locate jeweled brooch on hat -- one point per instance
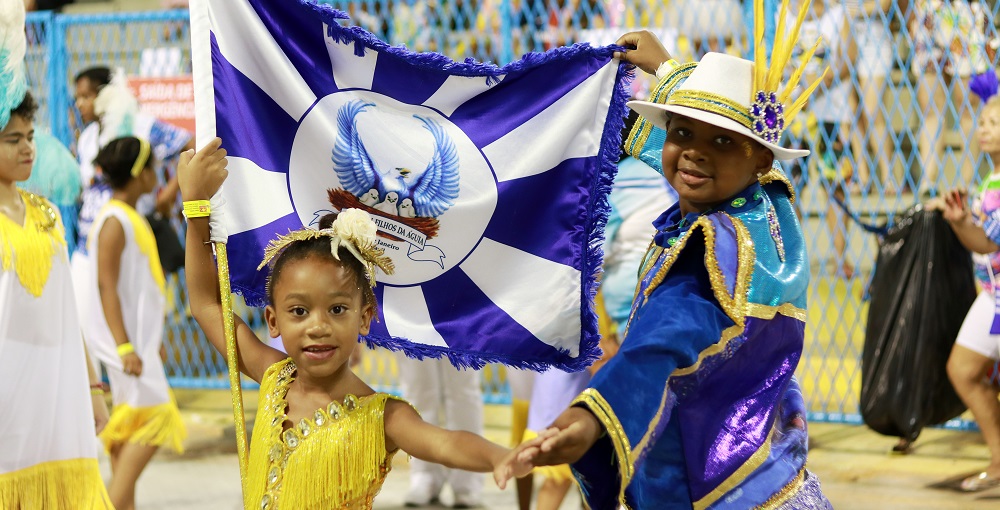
(768, 116)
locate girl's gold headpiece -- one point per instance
(353, 230)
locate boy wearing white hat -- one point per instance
(700, 407)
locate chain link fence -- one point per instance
(892, 126)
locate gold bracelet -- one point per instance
(125, 348)
(197, 209)
(96, 392)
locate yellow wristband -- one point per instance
(197, 209)
(125, 348)
(97, 392)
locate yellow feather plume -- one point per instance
(759, 50)
(797, 75)
(783, 51)
(801, 101)
(779, 35)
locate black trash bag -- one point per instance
(921, 290)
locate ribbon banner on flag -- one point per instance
(488, 185)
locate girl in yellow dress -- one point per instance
(322, 438)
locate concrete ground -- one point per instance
(852, 462)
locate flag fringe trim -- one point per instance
(460, 359)
(364, 40)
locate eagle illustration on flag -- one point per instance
(488, 184)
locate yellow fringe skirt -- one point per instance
(159, 425)
(73, 484)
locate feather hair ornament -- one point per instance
(13, 44)
(985, 84)
(353, 230)
(117, 107)
(767, 78)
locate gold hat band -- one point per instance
(715, 103)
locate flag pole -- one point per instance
(204, 94)
(232, 360)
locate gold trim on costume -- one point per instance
(715, 103)
(728, 335)
(781, 497)
(592, 398)
(774, 175)
(641, 445)
(739, 475)
(734, 305)
(29, 248)
(768, 312)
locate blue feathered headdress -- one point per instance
(984, 84)
(13, 80)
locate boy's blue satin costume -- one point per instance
(700, 405)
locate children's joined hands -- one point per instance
(517, 463)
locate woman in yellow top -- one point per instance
(124, 298)
(323, 438)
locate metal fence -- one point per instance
(894, 125)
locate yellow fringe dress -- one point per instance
(334, 460)
(48, 449)
(144, 409)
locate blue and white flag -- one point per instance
(489, 185)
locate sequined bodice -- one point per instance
(335, 459)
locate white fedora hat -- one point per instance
(719, 92)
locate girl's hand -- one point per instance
(131, 364)
(955, 210)
(648, 54)
(518, 463)
(101, 415)
(201, 173)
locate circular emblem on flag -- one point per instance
(400, 163)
